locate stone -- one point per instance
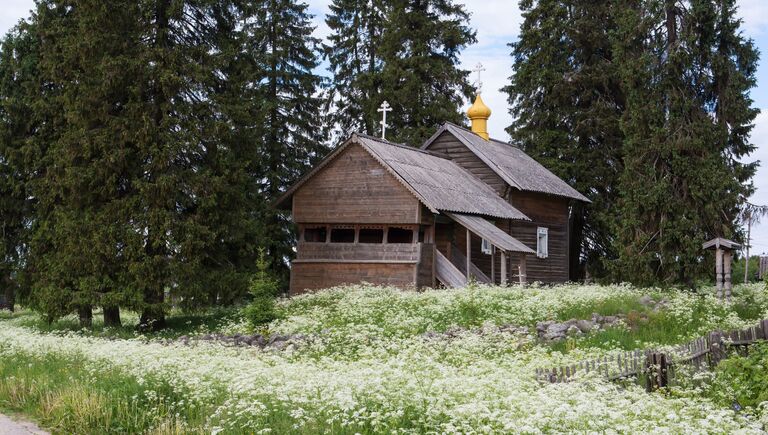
(596, 318)
(585, 326)
(573, 330)
(647, 300)
(542, 326)
(610, 320)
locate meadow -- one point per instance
(378, 360)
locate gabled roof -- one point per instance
(439, 183)
(510, 163)
(720, 242)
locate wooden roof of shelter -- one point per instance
(510, 163)
(439, 183)
(721, 243)
(491, 232)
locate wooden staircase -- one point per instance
(460, 261)
(447, 273)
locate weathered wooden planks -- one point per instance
(355, 188)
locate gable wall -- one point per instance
(355, 188)
(447, 144)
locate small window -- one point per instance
(399, 235)
(486, 247)
(371, 235)
(342, 235)
(542, 242)
(317, 234)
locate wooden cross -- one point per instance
(385, 107)
(479, 68)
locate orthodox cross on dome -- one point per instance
(479, 68)
(385, 107)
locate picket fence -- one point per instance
(657, 367)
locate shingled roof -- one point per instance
(510, 163)
(439, 183)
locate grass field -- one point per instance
(367, 365)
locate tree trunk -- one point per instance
(8, 298)
(112, 317)
(86, 316)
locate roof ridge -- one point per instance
(466, 130)
(400, 145)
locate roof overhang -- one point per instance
(487, 230)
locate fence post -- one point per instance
(656, 368)
(716, 351)
(764, 329)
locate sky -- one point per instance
(497, 23)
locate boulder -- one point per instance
(585, 326)
(573, 330)
(647, 300)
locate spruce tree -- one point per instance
(353, 52)
(405, 52)
(566, 100)
(290, 127)
(682, 182)
(18, 121)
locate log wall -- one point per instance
(355, 188)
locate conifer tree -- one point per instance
(421, 79)
(687, 121)
(411, 61)
(355, 60)
(290, 127)
(566, 100)
(18, 121)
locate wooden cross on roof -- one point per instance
(385, 107)
(479, 68)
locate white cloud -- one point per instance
(755, 16)
(12, 12)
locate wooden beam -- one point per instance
(719, 272)
(503, 268)
(727, 260)
(469, 252)
(493, 265)
(522, 269)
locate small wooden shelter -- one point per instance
(762, 270)
(723, 261)
(462, 206)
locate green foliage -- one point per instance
(262, 309)
(687, 125)
(566, 100)
(737, 275)
(644, 106)
(743, 379)
(387, 51)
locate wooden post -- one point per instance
(719, 272)
(469, 252)
(503, 268)
(727, 261)
(493, 265)
(522, 269)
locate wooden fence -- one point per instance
(658, 367)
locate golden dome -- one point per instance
(479, 114)
(479, 109)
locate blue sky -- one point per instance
(497, 23)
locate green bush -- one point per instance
(263, 308)
(744, 379)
